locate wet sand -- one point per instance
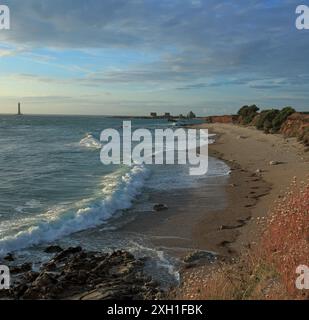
(172, 230)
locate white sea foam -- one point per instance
(90, 142)
(32, 204)
(61, 223)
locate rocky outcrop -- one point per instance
(53, 249)
(77, 274)
(297, 125)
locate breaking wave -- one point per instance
(118, 195)
(90, 142)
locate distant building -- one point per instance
(153, 114)
(19, 109)
(167, 115)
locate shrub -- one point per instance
(281, 118)
(265, 121)
(248, 113)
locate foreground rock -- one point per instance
(77, 274)
(53, 249)
(160, 207)
(198, 256)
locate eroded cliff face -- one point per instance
(222, 119)
(297, 125)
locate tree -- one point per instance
(248, 113)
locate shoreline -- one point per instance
(256, 183)
(263, 157)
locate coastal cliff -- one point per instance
(222, 119)
(297, 125)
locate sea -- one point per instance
(55, 190)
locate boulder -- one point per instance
(21, 269)
(160, 207)
(9, 257)
(199, 255)
(53, 249)
(274, 163)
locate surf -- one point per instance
(119, 196)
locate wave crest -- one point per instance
(90, 142)
(54, 227)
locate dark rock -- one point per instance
(31, 276)
(67, 252)
(21, 269)
(77, 274)
(9, 257)
(160, 207)
(198, 256)
(53, 249)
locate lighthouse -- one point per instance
(19, 110)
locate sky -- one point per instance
(133, 57)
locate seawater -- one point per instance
(54, 186)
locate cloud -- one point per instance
(199, 44)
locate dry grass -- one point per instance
(267, 271)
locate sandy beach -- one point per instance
(263, 167)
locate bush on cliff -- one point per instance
(265, 120)
(281, 118)
(248, 113)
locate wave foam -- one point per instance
(90, 142)
(54, 227)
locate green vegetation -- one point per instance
(265, 120)
(272, 120)
(281, 118)
(248, 113)
(268, 120)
